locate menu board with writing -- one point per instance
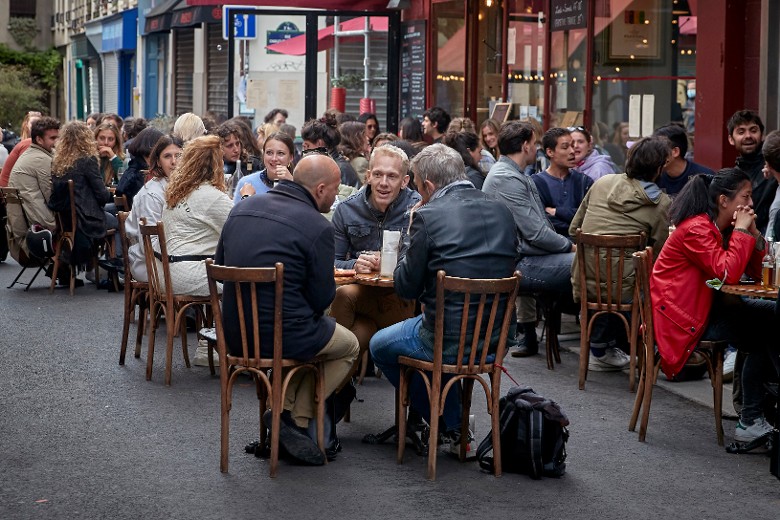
(568, 14)
(412, 68)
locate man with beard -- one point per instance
(746, 135)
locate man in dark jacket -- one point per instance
(285, 225)
(457, 228)
(746, 135)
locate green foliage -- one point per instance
(43, 65)
(24, 30)
(348, 80)
(17, 95)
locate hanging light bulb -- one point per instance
(488, 3)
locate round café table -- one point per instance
(751, 291)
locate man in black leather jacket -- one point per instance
(461, 230)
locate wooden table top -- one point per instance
(371, 279)
(751, 291)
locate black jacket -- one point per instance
(763, 189)
(282, 225)
(132, 180)
(90, 194)
(467, 234)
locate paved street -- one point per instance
(83, 437)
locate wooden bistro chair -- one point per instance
(66, 238)
(11, 197)
(270, 388)
(607, 255)
(711, 351)
(120, 202)
(487, 295)
(136, 295)
(163, 300)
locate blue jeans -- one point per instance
(546, 273)
(403, 339)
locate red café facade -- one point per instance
(580, 61)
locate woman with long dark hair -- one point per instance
(323, 135)
(150, 200)
(466, 143)
(715, 237)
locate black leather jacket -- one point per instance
(465, 233)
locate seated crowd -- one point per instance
(476, 202)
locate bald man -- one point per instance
(285, 225)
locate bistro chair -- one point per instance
(66, 238)
(163, 300)
(270, 388)
(136, 295)
(711, 351)
(488, 295)
(10, 197)
(120, 202)
(601, 265)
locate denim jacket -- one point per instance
(358, 225)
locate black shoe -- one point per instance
(333, 450)
(529, 345)
(297, 443)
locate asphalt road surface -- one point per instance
(82, 437)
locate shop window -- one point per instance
(449, 58)
(525, 59)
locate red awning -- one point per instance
(337, 5)
(297, 46)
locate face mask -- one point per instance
(691, 93)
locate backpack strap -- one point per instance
(535, 425)
(485, 451)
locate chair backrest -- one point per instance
(244, 282)
(159, 288)
(607, 255)
(11, 197)
(122, 218)
(643, 267)
(68, 228)
(120, 201)
(491, 293)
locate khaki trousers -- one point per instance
(340, 354)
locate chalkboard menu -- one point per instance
(568, 14)
(413, 68)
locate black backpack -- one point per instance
(533, 436)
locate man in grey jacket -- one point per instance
(31, 175)
(545, 256)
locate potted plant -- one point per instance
(339, 86)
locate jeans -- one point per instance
(546, 273)
(403, 339)
(751, 326)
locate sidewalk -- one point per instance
(699, 392)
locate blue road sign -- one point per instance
(244, 25)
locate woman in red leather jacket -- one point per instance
(715, 237)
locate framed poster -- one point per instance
(501, 112)
(636, 33)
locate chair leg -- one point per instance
(633, 350)
(154, 315)
(584, 350)
(143, 311)
(640, 392)
(717, 394)
(468, 388)
(128, 310)
(226, 403)
(183, 332)
(170, 329)
(363, 367)
(55, 268)
(435, 404)
(495, 396)
(402, 405)
(648, 398)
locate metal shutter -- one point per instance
(351, 60)
(217, 60)
(185, 58)
(110, 83)
(94, 86)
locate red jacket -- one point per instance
(681, 299)
(18, 150)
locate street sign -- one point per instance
(244, 25)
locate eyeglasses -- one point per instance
(576, 129)
(321, 150)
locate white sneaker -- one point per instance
(613, 360)
(202, 357)
(453, 440)
(728, 365)
(759, 428)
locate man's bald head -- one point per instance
(321, 176)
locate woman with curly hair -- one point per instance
(76, 159)
(149, 202)
(355, 146)
(323, 135)
(110, 150)
(196, 207)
